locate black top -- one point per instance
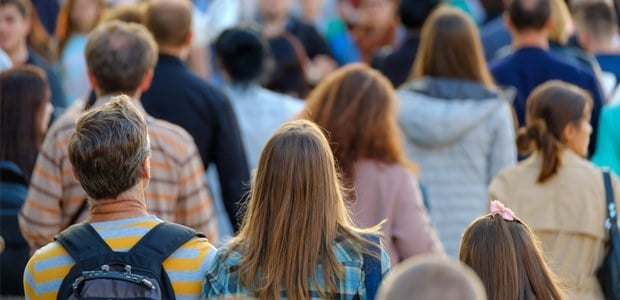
(313, 42)
(58, 95)
(180, 97)
(397, 65)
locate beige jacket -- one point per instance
(567, 213)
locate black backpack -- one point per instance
(101, 273)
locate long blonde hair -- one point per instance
(451, 48)
(295, 213)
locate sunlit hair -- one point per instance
(561, 20)
(356, 106)
(450, 47)
(507, 257)
(550, 108)
(294, 215)
(65, 26)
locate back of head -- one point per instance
(507, 258)
(242, 52)
(24, 97)
(109, 148)
(431, 277)
(356, 106)
(413, 13)
(450, 48)
(529, 14)
(119, 55)
(129, 13)
(598, 19)
(549, 109)
(561, 20)
(169, 21)
(296, 202)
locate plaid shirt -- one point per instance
(176, 191)
(222, 279)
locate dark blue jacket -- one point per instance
(180, 97)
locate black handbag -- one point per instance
(608, 273)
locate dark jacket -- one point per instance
(59, 101)
(396, 66)
(13, 191)
(180, 97)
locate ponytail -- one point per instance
(536, 133)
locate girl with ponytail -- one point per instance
(556, 191)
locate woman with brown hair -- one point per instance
(557, 191)
(356, 106)
(25, 110)
(296, 240)
(506, 255)
(75, 20)
(458, 126)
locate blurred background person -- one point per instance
(16, 23)
(429, 277)
(356, 106)
(242, 54)
(378, 27)
(458, 125)
(507, 257)
(25, 111)
(556, 191)
(396, 63)
(297, 241)
(77, 18)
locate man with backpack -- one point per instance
(121, 252)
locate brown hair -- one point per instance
(356, 106)
(451, 48)
(24, 93)
(561, 19)
(550, 108)
(295, 213)
(431, 277)
(598, 19)
(108, 148)
(119, 54)
(169, 21)
(129, 13)
(38, 39)
(65, 26)
(507, 258)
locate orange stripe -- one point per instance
(46, 175)
(197, 209)
(160, 165)
(74, 200)
(192, 176)
(41, 207)
(168, 140)
(158, 196)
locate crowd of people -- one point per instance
(309, 149)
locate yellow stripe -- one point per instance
(47, 296)
(145, 224)
(27, 288)
(187, 287)
(50, 252)
(122, 242)
(52, 274)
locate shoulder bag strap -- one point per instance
(161, 241)
(612, 217)
(82, 241)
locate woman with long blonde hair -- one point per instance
(296, 240)
(356, 106)
(458, 125)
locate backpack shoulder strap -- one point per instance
(609, 199)
(372, 267)
(161, 241)
(82, 241)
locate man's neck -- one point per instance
(180, 52)
(530, 39)
(603, 47)
(129, 204)
(19, 56)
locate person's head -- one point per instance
(129, 13)
(170, 22)
(120, 58)
(77, 16)
(413, 13)
(450, 48)
(529, 15)
(597, 24)
(274, 9)
(378, 13)
(15, 24)
(356, 106)
(294, 213)
(25, 111)
(242, 54)
(431, 277)
(110, 149)
(561, 22)
(288, 75)
(507, 257)
(557, 117)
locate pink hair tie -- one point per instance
(498, 208)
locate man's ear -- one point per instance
(145, 84)
(188, 39)
(75, 174)
(568, 133)
(146, 168)
(508, 22)
(92, 80)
